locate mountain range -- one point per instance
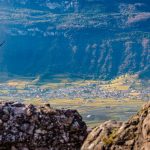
(86, 38)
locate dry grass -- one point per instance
(17, 83)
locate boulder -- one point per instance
(29, 127)
(131, 135)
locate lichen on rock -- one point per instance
(131, 135)
(29, 127)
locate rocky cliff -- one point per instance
(131, 135)
(24, 127)
(28, 127)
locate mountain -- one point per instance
(95, 38)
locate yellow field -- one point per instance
(93, 105)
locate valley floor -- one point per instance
(96, 100)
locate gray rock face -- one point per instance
(131, 135)
(29, 127)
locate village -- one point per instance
(87, 92)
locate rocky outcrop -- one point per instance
(29, 127)
(131, 135)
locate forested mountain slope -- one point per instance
(90, 37)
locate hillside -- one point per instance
(80, 38)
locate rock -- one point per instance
(30, 130)
(146, 146)
(43, 128)
(1, 122)
(48, 105)
(40, 128)
(131, 135)
(13, 148)
(146, 128)
(17, 104)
